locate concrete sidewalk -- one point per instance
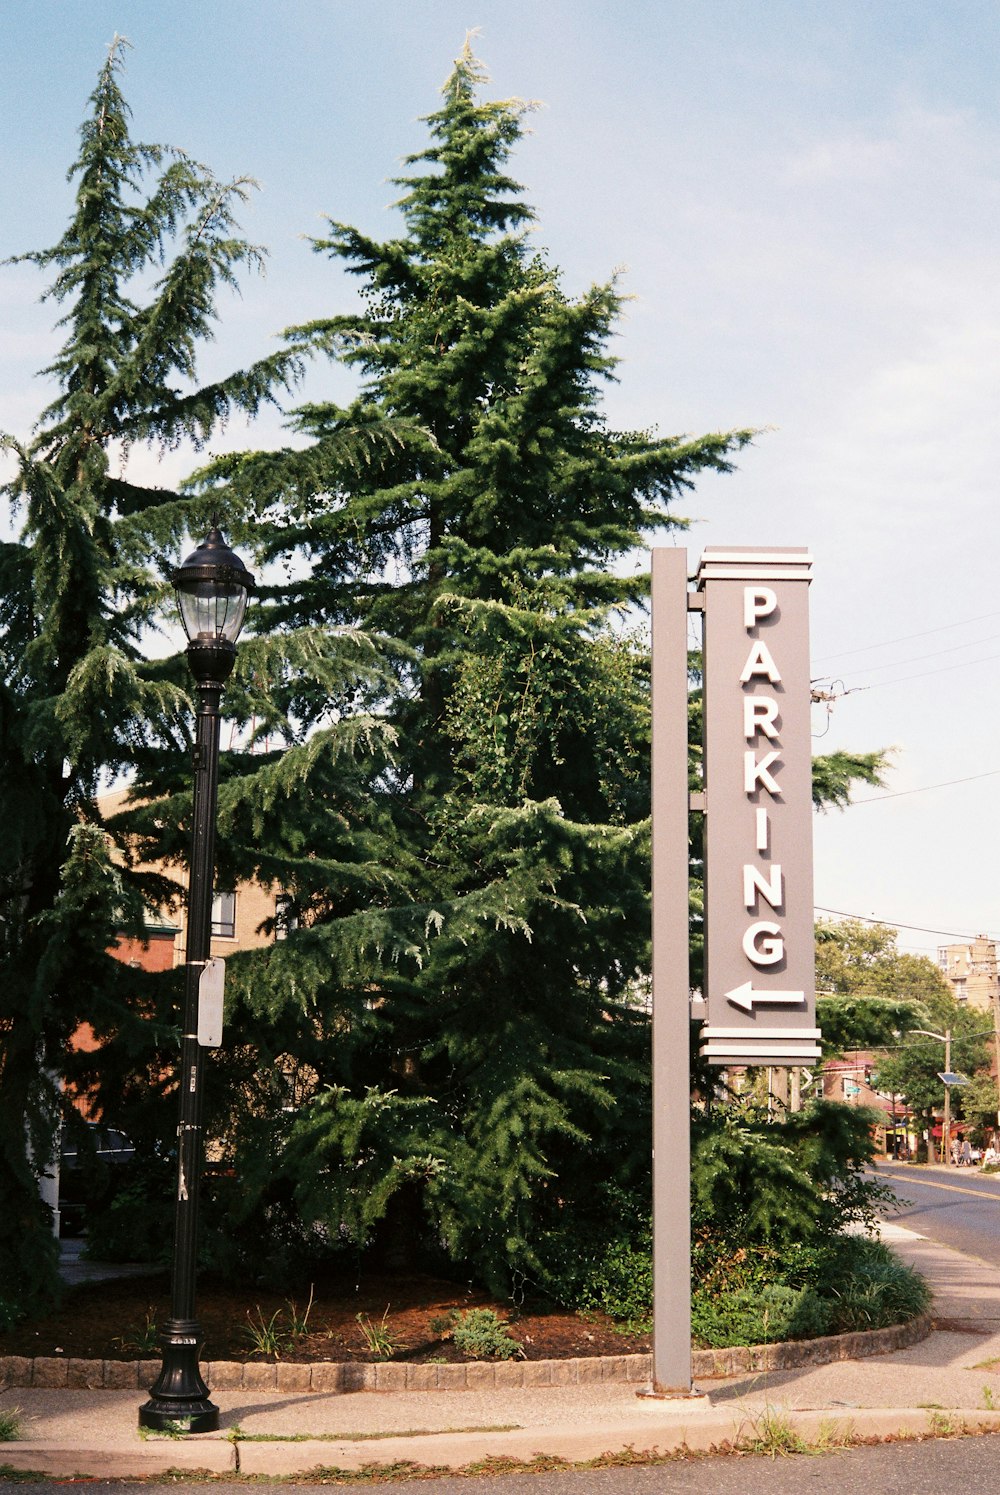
(950, 1379)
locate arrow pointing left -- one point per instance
(747, 999)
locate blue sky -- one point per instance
(804, 202)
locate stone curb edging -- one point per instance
(55, 1373)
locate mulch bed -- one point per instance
(107, 1320)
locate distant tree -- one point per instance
(912, 1068)
(867, 992)
(150, 241)
(978, 1101)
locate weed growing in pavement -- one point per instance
(988, 1400)
(11, 1425)
(943, 1425)
(379, 1339)
(180, 1427)
(772, 1433)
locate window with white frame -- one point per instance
(224, 916)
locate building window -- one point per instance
(224, 916)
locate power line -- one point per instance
(967, 939)
(923, 674)
(891, 664)
(870, 799)
(906, 637)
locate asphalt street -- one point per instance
(958, 1208)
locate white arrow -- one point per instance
(746, 998)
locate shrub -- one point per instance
(136, 1222)
(879, 1290)
(481, 1335)
(758, 1316)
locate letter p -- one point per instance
(757, 603)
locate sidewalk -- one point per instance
(950, 1378)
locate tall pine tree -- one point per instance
(150, 241)
(492, 1072)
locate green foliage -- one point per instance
(11, 1425)
(835, 774)
(140, 1340)
(867, 991)
(879, 1290)
(979, 1099)
(136, 1224)
(479, 1334)
(801, 1179)
(265, 1336)
(150, 242)
(462, 996)
(763, 1315)
(912, 1067)
(379, 1338)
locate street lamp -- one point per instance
(212, 588)
(944, 1038)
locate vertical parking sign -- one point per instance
(759, 951)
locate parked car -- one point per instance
(87, 1169)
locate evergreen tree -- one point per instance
(494, 1070)
(150, 241)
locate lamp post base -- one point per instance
(178, 1398)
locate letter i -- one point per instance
(762, 830)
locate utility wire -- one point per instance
(870, 799)
(892, 664)
(966, 939)
(923, 674)
(906, 637)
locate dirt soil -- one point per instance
(115, 1321)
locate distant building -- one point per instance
(971, 971)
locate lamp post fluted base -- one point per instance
(178, 1399)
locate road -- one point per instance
(959, 1209)
(971, 1465)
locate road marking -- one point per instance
(926, 1183)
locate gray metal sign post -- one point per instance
(671, 995)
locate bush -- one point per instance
(604, 1263)
(136, 1224)
(879, 1290)
(758, 1316)
(481, 1335)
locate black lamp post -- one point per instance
(212, 588)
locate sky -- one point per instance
(803, 203)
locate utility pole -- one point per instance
(946, 1127)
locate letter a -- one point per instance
(759, 662)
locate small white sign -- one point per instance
(210, 995)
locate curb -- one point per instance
(336, 1377)
(664, 1429)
